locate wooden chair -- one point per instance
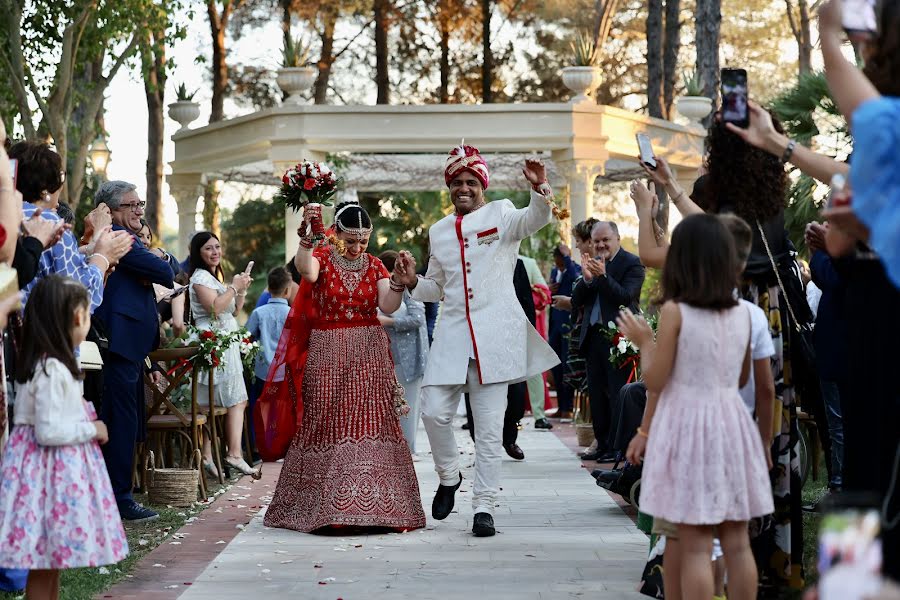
(165, 419)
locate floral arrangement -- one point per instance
(307, 182)
(622, 352)
(213, 344)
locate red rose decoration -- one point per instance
(309, 184)
(207, 335)
(616, 339)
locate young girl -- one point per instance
(705, 470)
(57, 509)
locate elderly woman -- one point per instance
(409, 346)
(40, 180)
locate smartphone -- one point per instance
(734, 97)
(835, 195)
(646, 150)
(14, 168)
(858, 19)
(850, 556)
(249, 267)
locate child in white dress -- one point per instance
(705, 469)
(57, 509)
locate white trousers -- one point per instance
(488, 402)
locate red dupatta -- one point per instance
(279, 409)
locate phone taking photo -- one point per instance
(850, 555)
(735, 96)
(646, 150)
(858, 19)
(14, 168)
(249, 267)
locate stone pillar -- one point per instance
(580, 176)
(186, 188)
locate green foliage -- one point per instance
(693, 83)
(809, 115)
(584, 52)
(182, 95)
(255, 231)
(401, 220)
(295, 52)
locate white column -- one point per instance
(580, 176)
(186, 188)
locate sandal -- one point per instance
(241, 465)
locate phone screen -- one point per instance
(14, 167)
(646, 150)
(249, 267)
(850, 555)
(734, 97)
(858, 17)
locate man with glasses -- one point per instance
(131, 321)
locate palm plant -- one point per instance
(295, 52)
(584, 50)
(809, 114)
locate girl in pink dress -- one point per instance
(57, 509)
(705, 469)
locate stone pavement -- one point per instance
(558, 536)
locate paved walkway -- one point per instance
(558, 536)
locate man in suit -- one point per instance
(562, 278)
(129, 315)
(612, 279)
(483, 342)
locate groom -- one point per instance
(483, 341)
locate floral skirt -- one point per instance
(57, 509)
(349, 464)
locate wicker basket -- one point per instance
(173, 487)
(584, 432)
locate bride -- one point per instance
(348, 464)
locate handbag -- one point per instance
(801, 345)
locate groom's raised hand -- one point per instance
(405, 269)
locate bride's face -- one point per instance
(355, 246)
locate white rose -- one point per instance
(611, 325)
(324, 170)
(623, 346)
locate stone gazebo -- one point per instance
(581, 144)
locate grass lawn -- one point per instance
(813, 491)
(85, 584)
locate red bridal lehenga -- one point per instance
(347, 464)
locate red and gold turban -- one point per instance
(466, 158)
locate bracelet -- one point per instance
(396, 286)
(677, 196)
(306, 243)
(788, 152)
(106, 260)
(642, 433)
(234, 289)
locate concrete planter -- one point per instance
(293, 81)
(694, 108)
(582, 81)
(184, 112)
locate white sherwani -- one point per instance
(473, 258)
(483, 341)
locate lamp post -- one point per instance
(100, 156)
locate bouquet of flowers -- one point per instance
(249, 349)
(623, 353)
(212, 346)
(307, 182)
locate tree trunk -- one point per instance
(708, 18)
(286, 16)
(153, 51)
(445, 60)
(327, 58)
(382, 80)
(805, 41)
(211, 215)
(487, 65)
(218, 22)
(603, 20)
(670, 54)
(654, 58)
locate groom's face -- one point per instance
(466, 192)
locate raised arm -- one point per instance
(523, 222)
(652, 245)
(663, 177)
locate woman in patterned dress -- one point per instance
(348, 463)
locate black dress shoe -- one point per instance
(442, 505)
(514, 451)
(483, 525)
(543, 424)
(592, 455)
(604, 474)
(607, 457)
